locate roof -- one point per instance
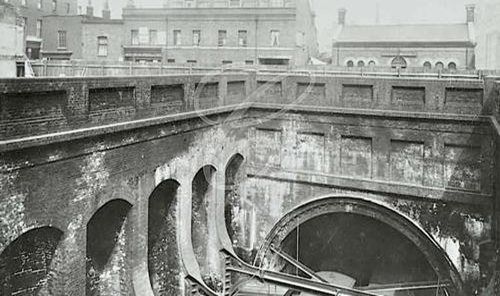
(441, 33)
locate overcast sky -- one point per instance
(358, 12)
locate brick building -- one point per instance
(439, 46)
(85, 36)
(488, 34)
(32, 12)
(278, 32)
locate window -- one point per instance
(372, 64)
(234, 3)
(350, 64)
(439, 65)
(275, 38)
(248, 62)
(153, 37)
(102, 46)
(39, 4)
(398, 62)
(24, 3)
(135, 37)
(171, 61)
(427, 66)
(61, 39)
(222, 37)
(177, 37)
(189, 3)
(25, 21)
(361, 64)
(39, 28)
(54, 5)
(227, 62)
(191, 61)
(452, 66)
(242, 38)
(68, 8)
(196, 37)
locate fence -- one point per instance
(98, 68)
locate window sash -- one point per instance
(222, 38)
(61, 38)
(177, 37)
(242, 38)
(135, 37)
(196, 37)
(102, 46)
(275, 38)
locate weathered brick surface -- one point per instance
(27, 263)
(436, 169)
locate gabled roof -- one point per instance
(411, 34)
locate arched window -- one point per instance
(439, 66)
(361, 64)
(452, 66)
(427, 65)
(371, 63)
(350, 64)
(399, 62)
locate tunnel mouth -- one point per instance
(360, 244)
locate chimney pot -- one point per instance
(341, 16)
(90, 11)
(470, 12)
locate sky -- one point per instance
(358, 12)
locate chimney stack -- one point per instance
(106, 12)
(470, 8)
(130, 4)
(90, 9)
(341, 17)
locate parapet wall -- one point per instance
(48, 105)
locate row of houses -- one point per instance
(277, 32)
(266, 32)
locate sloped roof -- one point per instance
(441, 33)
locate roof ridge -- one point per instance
(398, 25)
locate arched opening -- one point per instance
(439, 66)
(163, 259)
(372, 64)
(203, 227)
(357, 243)
(234, 214)
(399, 62)
(361, 64)
(107, 271)
(25, 265)
(452, 66)
(350, 64)
(427, 65)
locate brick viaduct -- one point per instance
(134, 185)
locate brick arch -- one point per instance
(163, 251)
(434, 254)
(203, 226)
(106, 268)
(232, 194)
(27, 262)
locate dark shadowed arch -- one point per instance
(25, 265)
(202, 232)
(420, 240)
(163, 253)
(234, 213)
(106, 249)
